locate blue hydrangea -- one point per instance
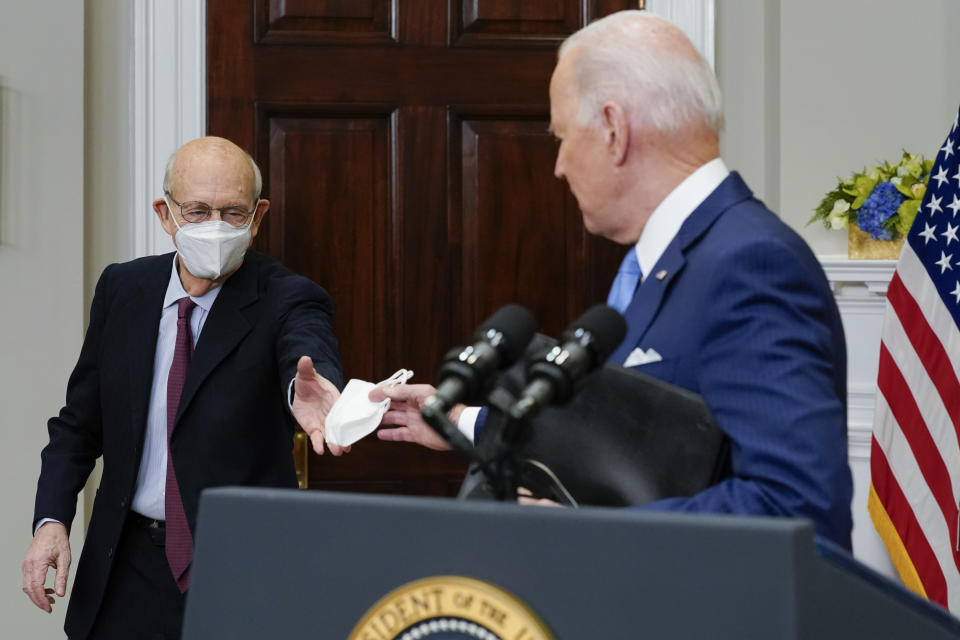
(882, 203)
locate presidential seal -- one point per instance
(450, 608)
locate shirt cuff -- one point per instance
(290, 394)
(468, 420)
(43, 522)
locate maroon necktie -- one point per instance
(179, 542)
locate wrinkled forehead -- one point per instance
(213, 171)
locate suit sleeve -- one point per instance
(76, 433)
(306, 329)
(772, 369)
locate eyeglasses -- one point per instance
(233, 214)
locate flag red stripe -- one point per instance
(907, 526)
(904, 409)
(928, 347)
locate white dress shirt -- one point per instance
(665, 221)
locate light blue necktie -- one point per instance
(625, 284)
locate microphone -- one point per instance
(584, 346)
(497, 343)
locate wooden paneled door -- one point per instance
(405, 151)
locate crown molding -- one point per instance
(858, 278)
(169, 102)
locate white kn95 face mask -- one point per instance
(353, 416)
(211, 249)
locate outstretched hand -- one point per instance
(50, 548)
(406, 402)
(313, 397)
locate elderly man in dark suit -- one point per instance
(720, 296)
(195, 369)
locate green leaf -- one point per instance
(864, 185)
(913, 166)
(823, 210)
(905, 184)
(906, 213)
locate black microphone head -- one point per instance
(515, 326)
(606, 329)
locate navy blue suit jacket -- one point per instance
(233, 425)
(740, 311)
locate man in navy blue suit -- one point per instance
(720, 296)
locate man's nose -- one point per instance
(558, 167)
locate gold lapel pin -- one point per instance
(661, 274)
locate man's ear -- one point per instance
(616, 131)
(262, 206)
(163, 213)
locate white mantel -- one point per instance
(860, 287)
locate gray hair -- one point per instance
(620, 62)
(257, 177)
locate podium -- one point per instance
(272, 563)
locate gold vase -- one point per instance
(860, 246)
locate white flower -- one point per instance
(838, 215)
(840, 206)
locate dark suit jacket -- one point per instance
(739, 310)
(233, 425)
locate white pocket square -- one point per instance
(638, 356)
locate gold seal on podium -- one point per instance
(450, 608)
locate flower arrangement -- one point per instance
(881, 201)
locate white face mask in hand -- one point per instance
(353, 416)
(211, 249)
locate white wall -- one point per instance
(747, 65)
(849, 102)
(108, 212)
(41, 259)
(817, 89)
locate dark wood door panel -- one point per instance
(404, 149)
(506, 23)
(524, 24)
(405, 76)
(360, 22)
(330, 178)
(520, 244)
(430, 244)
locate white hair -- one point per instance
(618, 61)
(257, 177)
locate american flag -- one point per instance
(915, 453)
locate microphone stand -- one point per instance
(434, 415)
(499, 459)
